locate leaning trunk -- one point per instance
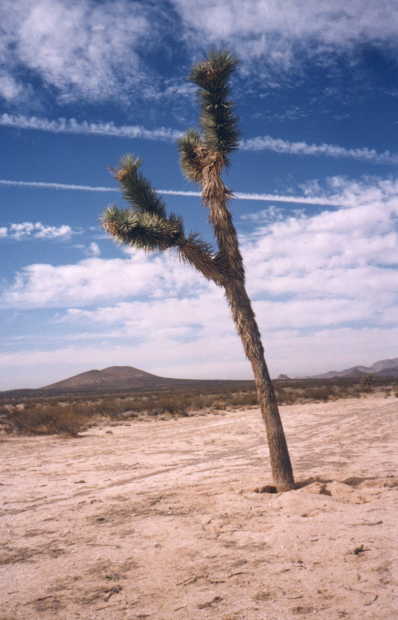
(215, 196)
(247, 328)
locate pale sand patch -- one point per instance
(160, 519)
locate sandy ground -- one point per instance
(160, 519)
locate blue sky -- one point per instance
(83, 82)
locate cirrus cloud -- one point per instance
(276, 31)
(277, 145)
(78, 48)
(94, 50)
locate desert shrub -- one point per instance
(177, 404)
(72, 413)
(200, 401)
(51, 420)
(366, 383)
(285, 396)
(244, 399)
(322, 393)
(110, 407)
(4, 411)
(117, 407)
(219, 403)
(356, 393)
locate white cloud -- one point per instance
(324, 291)
(93, 249)
(9, 88)
(329, 255)
(331, 268)
(78, 48)
(276, 31)
(72, 126)
(267, 143)
(36, 230)
(93, 280)
(368, 190)
(265, 216)
(191, 314)
(94, 50)
(206, 316)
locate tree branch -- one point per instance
(136, 189)
(219, 124)
(143, 230)
(200, 255)
(191, 155)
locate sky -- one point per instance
(315, 180)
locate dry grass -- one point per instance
(47, 420)
(73, 414)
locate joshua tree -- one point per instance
(146, 224)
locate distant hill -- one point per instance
(127, 378)
(114, 377)
(382, 368)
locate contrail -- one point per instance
(322, 201)
(277, 145)
(73, 126)
(168, 134)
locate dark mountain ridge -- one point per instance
(382, 368)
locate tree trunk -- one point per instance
(247, 328)
(215, 196)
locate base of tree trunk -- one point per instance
(271, 488)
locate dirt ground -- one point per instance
(161, 520)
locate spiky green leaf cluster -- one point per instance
(219, 124)
(136, 189)
(146, 223)
(190, 147)
(143, 230)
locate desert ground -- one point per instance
(166, 519)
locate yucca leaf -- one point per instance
(219, 124)
(144, 230)
(136, 189)
(191, 153)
